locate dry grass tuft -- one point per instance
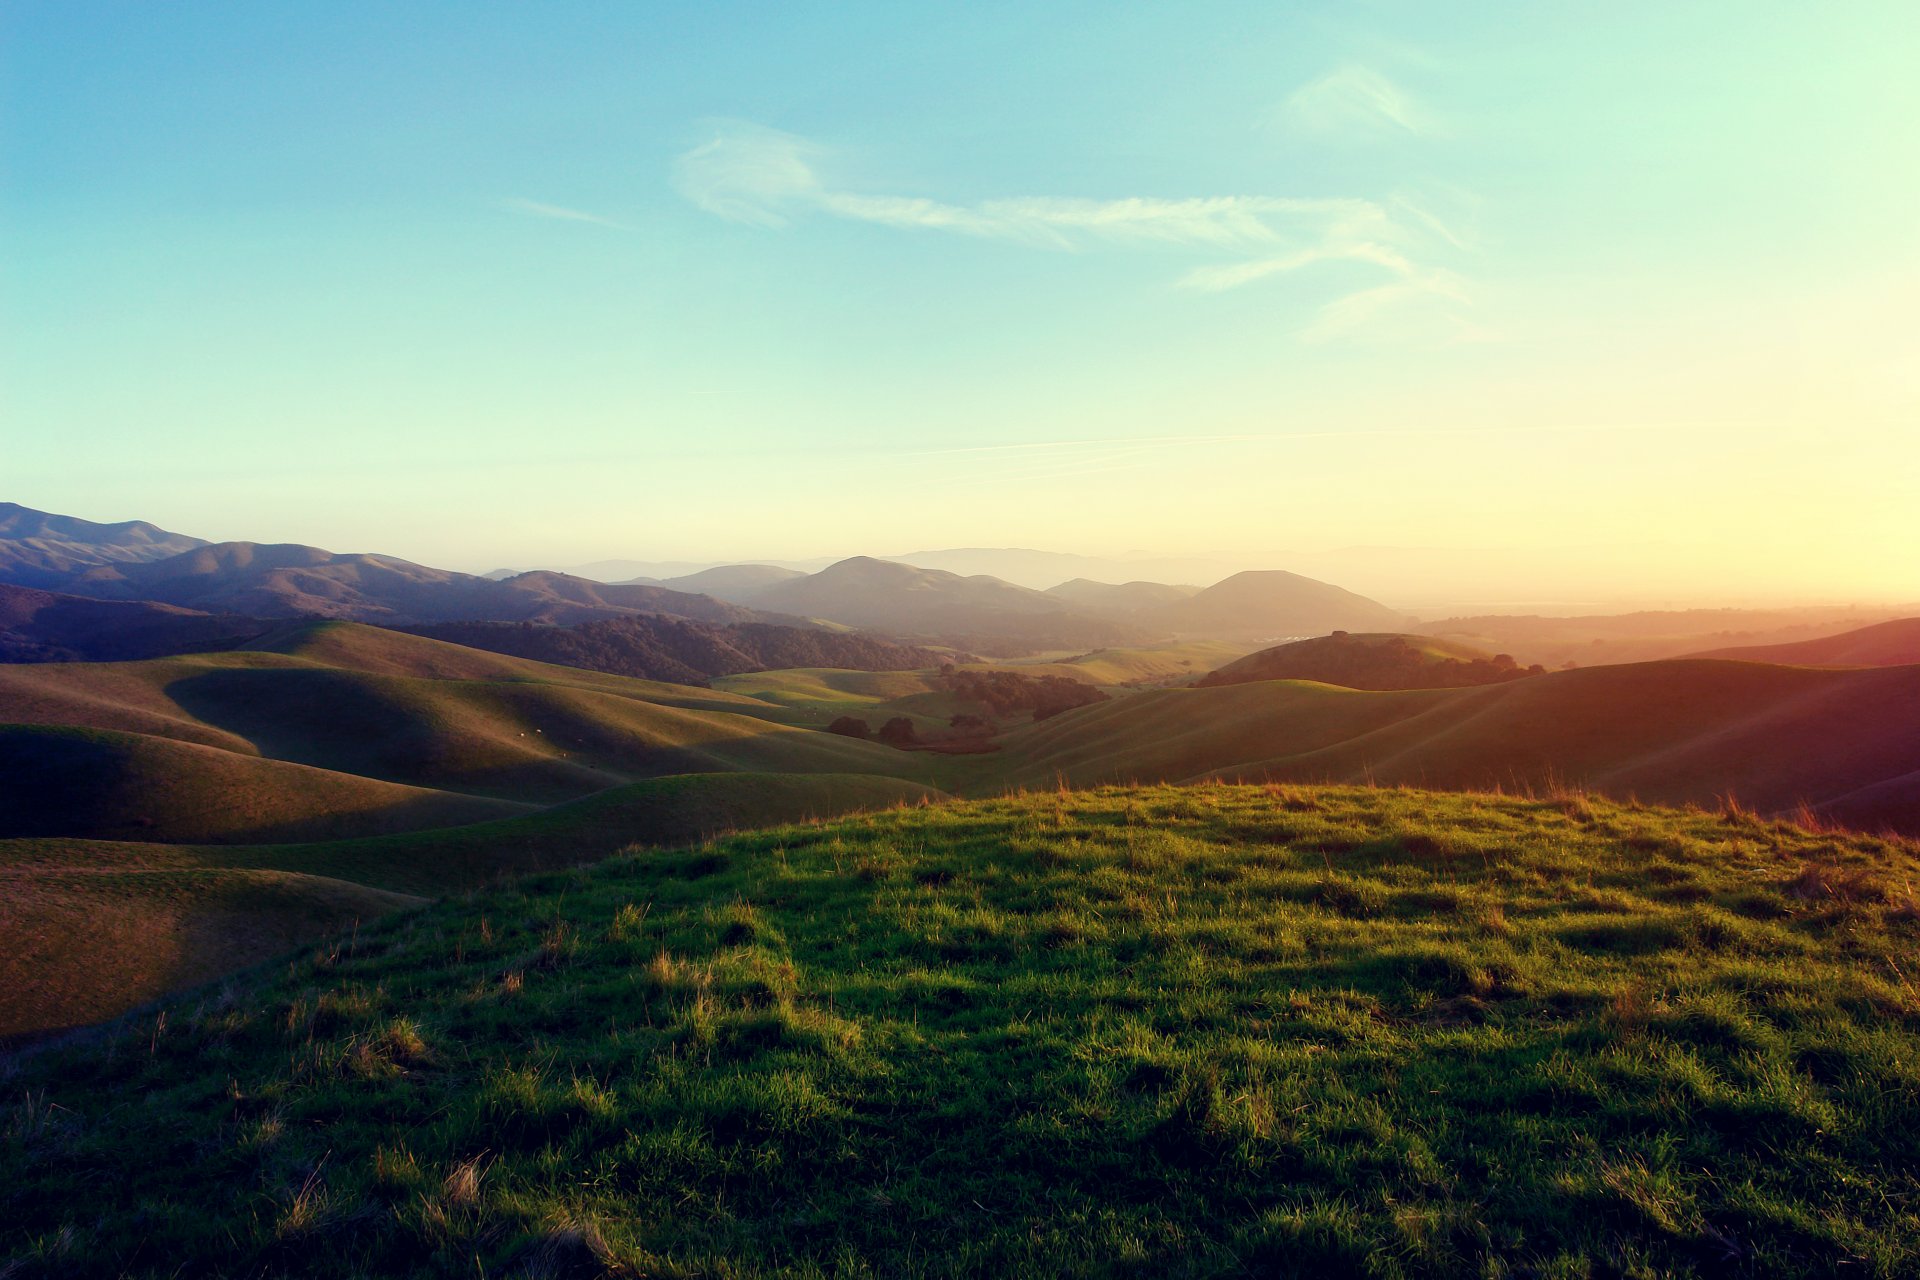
(1829, 881)
(461, 1186)
(574, 1249)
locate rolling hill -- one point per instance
(739, 583)
(1886, 644)
(288, 580)
(334, 771)
(907, 601)
(1268, 604)
(1119, 600)
(1371, 661)
(388, 721)
(1842, 743)
(44, 626)
(40, 549)
(684, 652)
(1218, 1031)
(107, 785)
(1648, 635)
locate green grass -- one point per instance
(1211, 1031)
(95, 927)
(1147, 664)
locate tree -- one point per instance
(898, 732)
(850, 727)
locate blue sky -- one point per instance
(1628, 292)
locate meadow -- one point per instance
(1216, 1030)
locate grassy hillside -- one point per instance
(1372, 660)
(1590, 640)
(1209, 1032)
(1146, 664)
(89, 942)
(1676, 732)
(1888, 644)
(655, 648)
(94, 927)
(818, 696)
(402, 709)
(60, 781)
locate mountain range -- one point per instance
(139, 562)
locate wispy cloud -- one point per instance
(1402, 309)
(536, 209)
(1353, 101)
(765, 178)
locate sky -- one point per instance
(1601, 301)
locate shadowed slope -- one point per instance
(44, 626)
(57, 781)
(40, 549)
(87, 944)
(281, 580)
(378, 651)
(518, 739)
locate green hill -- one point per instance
(95, 927)
(1204, 1032)
(1373, 660)
(401, 709)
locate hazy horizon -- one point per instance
(1513, 304)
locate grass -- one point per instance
(226, 746)
(94, 928)
(1148, 664)
(1160, 1031)
(1843, 742)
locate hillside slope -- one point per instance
(341, 711)
(1371, 661)
(1199, 1032)
(1886, 644)
(41, 549)
(96, 927)
(290, 580)
(44, 626)
(909, 601)
(1269, 604)
(1671, 732)
(685, 652)
(96, 784)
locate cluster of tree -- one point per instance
(682, 652)
(1369, 662)
(897, 732)
(1007, 693)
